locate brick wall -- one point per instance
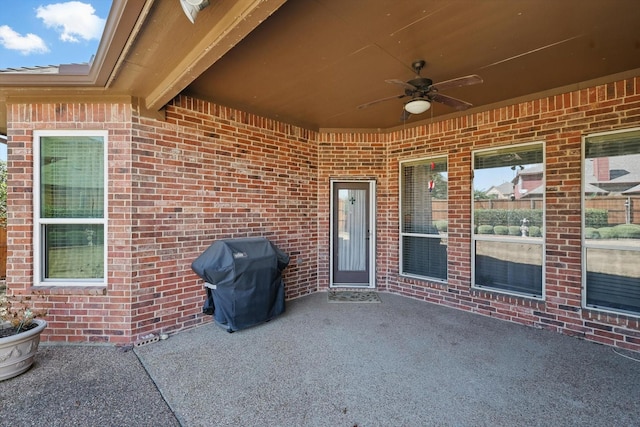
(210, 173)
(175, 186)
(74, 314)
(349, 156)
(561, 122)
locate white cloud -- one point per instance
(73, 19)
(23, 44)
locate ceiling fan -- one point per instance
(423, 92)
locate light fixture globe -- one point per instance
(191, 8)
(417, 106)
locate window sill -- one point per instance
(70, 289)
(431, 281)
(593, 312)
(496, 294)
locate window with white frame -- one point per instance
(423, 218)
(611, 221)
(508, 219)
(70, 205)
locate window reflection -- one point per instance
(508, 219)
(611, 227)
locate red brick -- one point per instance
(211, 172)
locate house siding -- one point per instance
(209, 172)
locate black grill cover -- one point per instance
(243, 281)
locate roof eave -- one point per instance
(121, 21)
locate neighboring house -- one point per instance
(527, 181)
(614, 175)
(503, 191)
(592, 190)
(632, 190)
(121, 177)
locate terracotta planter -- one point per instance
(17, 351)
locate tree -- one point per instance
(480, 195)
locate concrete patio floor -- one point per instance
(401, 362)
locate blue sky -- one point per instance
(484, 179)
(50, 32)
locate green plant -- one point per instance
(514, 230)
(535, 231)
(607, 233)
(596, 218)
(627, 231)
(485, 229)
(591, 233)
(507, 217)
(501, 230)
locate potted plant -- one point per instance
(20, 331)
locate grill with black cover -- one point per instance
(243, 280)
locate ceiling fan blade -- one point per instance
(459, 82)
(450, 101)
(369, 104)
(401, 83)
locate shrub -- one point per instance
(591, 233)
(596, 218)
(607, 233)
(535, 231)
(627, 231)
(507, 217)
(514, 230)
(501, 230)
(485, 229)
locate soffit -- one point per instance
(150, 51)
(314, 62)
(169, 52)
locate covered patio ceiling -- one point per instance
(313, 62)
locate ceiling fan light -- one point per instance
(417, 106)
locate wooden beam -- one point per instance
(242, 18)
